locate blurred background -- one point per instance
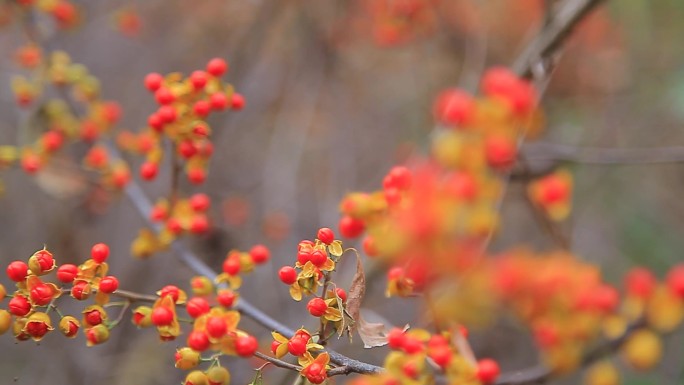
(337, 92)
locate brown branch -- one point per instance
(602, 155)
(537, 58)
(277, 362)
(539, 374)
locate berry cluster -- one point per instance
(62, 126)
(452, 198)
(420, 357)
(178, 217)
(63, 12)
(29, 312)
(214, 321)
(185, 103)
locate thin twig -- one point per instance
(277, 362)
(603, 155)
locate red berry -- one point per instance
(218, 101)
(317, 307)
(453, 107)
(487, 370)
(325, 235)
(351, 227)
(260, 254)
(187, 149)
(412, 345)
(171, 290)
(164, 96)
(31, 163)
(67, 272)
(399, 177)
(501, 151)
(246, 346)
(197, 176)
(441, 355)
(554, 189)
(93, 317)
(198, 79)
(675, 280)
(226, 297)
(19, 306)
(156, 122)
(201, 108)
(396, 338)
(217, 67)
(199, 224)
(237, 101)
(36, 329)
(99, 252)
(153, 81)
(341, 293)
(369, 246)
(198, 341)
(288, 275)
(231, 265)
(304, 256)
(274, 346)
(41, 294)
(109, 284)
(148, 170)
(319, 257)
(162, 316)
(200, 202)
(297, 346)
(174, 226)
(17, 271)
(159, 213)
(640, 282)
(80, 290)
(216, 327)
(52, 140)
(167, 114)
(197, 306)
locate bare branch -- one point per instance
(602, 155)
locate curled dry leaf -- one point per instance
(372, 333)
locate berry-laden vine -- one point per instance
(428, 226)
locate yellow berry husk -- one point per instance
(196, 377)
(664, 311)
(218, 375)
(5, 321)
(187, 358)
(602, 373)
(643, 349)
(69, 326)
(142, 316)
(96, 335)
(201, 285)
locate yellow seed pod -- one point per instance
(201, 285)
(664, 311)
(614, 326)
(602, 373)
(69, 326)
(447, 148)
(187, 358)
(5, 321)
(196, 377)
(218, 375)
(643, 349)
